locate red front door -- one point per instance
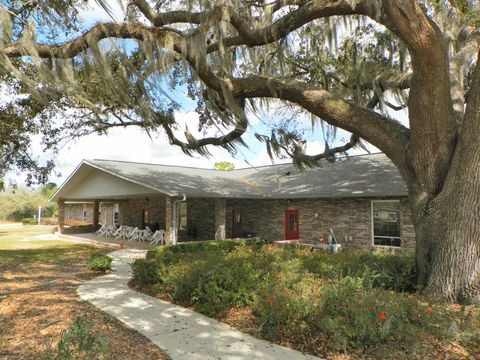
(292, 225)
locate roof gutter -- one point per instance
(174, 220)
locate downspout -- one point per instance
(174, 218)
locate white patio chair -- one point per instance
(124, 233)
(158, 238)
(110, 230)
(146, 234)
(101, 231)
(135, 235)
(118, 231)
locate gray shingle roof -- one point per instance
(357, 176)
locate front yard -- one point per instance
(347, 306)
(39, 276)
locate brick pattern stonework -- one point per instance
(347, 217)
(209, 218)
(200, 220)
(61, 215)
(131, 211)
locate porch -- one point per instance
(182, 219)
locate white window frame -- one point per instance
(399, 219)
(69, 212)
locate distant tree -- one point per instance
(24, 203)
(224, 165)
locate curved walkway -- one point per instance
(180, 332)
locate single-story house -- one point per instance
(362, 198)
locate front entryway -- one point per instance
(292, 225)
(237, 227)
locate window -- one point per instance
(182, 216)
(84, 214)
(293, 222)
(115, 213)
(69, 212)
(386, 223)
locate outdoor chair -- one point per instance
(135, 235)
(158, 238)
(101, 231)
(118, 231)
(110, 231)
(124, 233)
(146, 234)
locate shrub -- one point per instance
(145, 272)
(352, 300)
(230, 283)
(79, 341)
(29, 221)
(381, 269)
(221, 247)
(343, 311)
(98, 262)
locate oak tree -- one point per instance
(347, 63)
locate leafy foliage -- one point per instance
(224, 165)
(351, 300)
(18, 204)
(98, 262)
(79, 341)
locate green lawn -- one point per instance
(30, 242)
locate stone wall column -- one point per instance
(169, 231)
(61, 215)
(96, 214)
(220, 218)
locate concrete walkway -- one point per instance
(180, 332)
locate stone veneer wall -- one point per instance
(130, 211)
(266, 218)
(77, 212)
(201, 217)
(347, 217)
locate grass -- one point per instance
(39, 302)
(357, 304)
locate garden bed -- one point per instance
(354, 303)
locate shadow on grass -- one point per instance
(52, 254)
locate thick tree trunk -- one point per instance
(448, 224)
(448, 247)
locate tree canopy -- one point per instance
(224, 165)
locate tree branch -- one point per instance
(99, 32)
(386, 134)
(457, 69)
(430, 101)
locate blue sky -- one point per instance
(131, 144)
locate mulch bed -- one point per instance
(38, 301)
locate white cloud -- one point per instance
(94, 12)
